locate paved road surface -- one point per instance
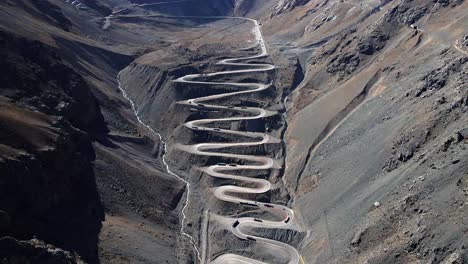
(228, 192)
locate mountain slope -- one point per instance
(73, 156)
(378, 117)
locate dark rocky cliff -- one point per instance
(36, 77)
(47, 120)
(47, 186)
(73, 159)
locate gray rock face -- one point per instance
(344, 63)
(373, 43)
(409, 11)
(438, 78)
(287, 5)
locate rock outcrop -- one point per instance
(34, 251)
(287, 5)
(37, 77)
(52, 13)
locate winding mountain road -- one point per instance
(225, 193)
(222, 171)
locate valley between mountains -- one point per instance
(233, 131)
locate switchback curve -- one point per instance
(225, 192)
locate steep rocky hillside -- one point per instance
(375, 159)
(77, 171)
(48, 115)
(376, 141)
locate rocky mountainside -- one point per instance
(361, 127)
(370, 101)
(287, 5)
(48, 115)
(75, 166)
(376, 128)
